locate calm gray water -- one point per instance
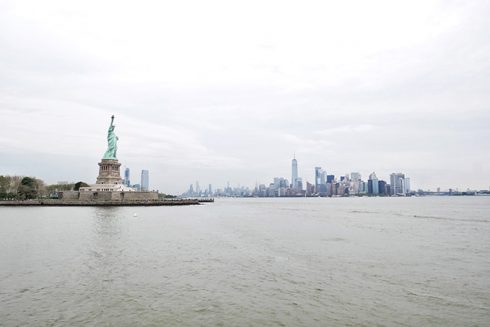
(249, 262)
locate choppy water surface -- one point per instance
(249, 262)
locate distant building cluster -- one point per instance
(198, 192)
(324, 185)
(144, 184)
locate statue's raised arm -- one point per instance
(111, 142)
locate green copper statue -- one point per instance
(111, 142)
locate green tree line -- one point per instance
(24, 188)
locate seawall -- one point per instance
(80, 203)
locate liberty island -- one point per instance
(108, 190)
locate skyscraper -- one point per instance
(318, 177)
(382, 187)
(294, 172)
(323, 177)
(356, 179)
(145, 180)
(373, 184)
(397, 181)
(299, 184)
(127, 182)
(320, 181)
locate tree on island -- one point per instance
(28, 188)
(9, 186)
(4, 184)
(4, 188)
(21, 187)
(166, 196)
(59, 187)
(78, 185)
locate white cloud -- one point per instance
(218, 90)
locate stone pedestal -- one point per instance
(109, 172)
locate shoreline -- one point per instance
(64, 203)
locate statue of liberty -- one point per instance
(111, 142)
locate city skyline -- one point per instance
(324, 184)
(393, 86)
(144, 180)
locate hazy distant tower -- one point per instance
(294, 173)
(127, 182)
(145, 180)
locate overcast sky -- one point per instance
(219, 91)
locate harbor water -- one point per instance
(419, 261)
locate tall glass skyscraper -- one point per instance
(318, 176)
(145, 180)
(397, 181)
(373, 184)
(320, 180)
(294, 173)
(127, 182)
